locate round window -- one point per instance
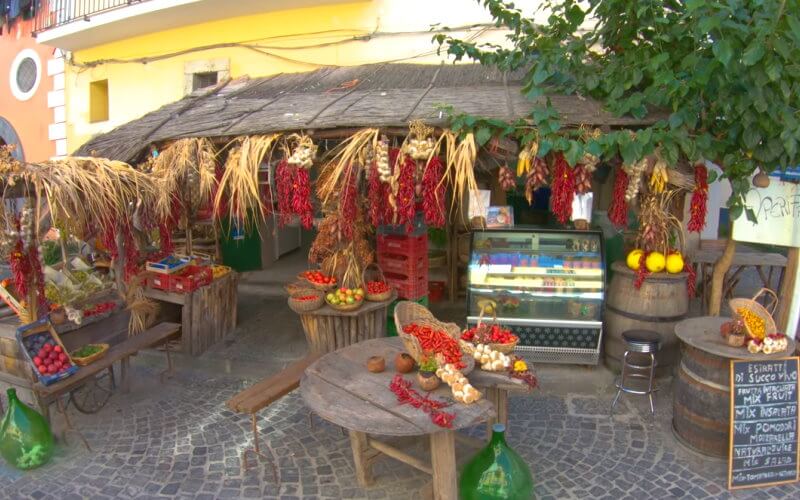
(25, 74)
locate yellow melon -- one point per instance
(633, 259)
(674, 263)
(655, 262)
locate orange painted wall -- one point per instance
(30, 118)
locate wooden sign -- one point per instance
(777, 210)
(764, 420)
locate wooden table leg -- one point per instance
(360, 445)
(443, 460)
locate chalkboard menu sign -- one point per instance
(764, 421)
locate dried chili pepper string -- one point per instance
(405, 193)
(618, 210)
(691, 279)
(698, 207)
(374, 196)
(406, 395)
(433, 193)
(283, 188)
(301, 197)
(347, 205)
(563, 189)
(641, 272)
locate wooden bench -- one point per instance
(119, 352)
(261, 394)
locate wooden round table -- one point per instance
(701, 399)
(338, 388)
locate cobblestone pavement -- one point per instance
(178, 439)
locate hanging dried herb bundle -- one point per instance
(698, 207)
(618, 209)
(656, 224)
(563, 189)
(185, 171)
(433, 193)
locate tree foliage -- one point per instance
(724, 75)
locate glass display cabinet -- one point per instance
(547, 286)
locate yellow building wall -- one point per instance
(288, 41)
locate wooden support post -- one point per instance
(360, 444)
(787, 292)
(443, 459)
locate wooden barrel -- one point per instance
(701, 401)
(658, 305)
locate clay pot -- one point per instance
(58, 316)
(403, 362)
(376, 364)
(736, 339)
(428, 380)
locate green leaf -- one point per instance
(709, 23)
(693, 5)
(723, 51)
(541, 74)
(794, 25)
(675, 120)
(712, 176)
(545, 146)
(482, 135)
(575, 15)
(574, 153)
(751, 137)
(751, 215)
(753, 53)
(735, 211)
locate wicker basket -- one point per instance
(299, 287)
(303, 306)
(346, 307)
(317, 286)
(407, 312)
(504, 348)
(761, 311)
(376, 297)
(91, 358)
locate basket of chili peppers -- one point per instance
(757, 319)
(496, 337)
(378, 290)
(422, 333)
(306, 301)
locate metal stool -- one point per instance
(644, 342)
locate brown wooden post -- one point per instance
(787, 290)
(718, 276)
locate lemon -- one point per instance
(633, 259)
(674, 263)
(655, 262)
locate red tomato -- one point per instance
(51, 369)
(52, 355)
(57, 364)
(42, 369)
(57, 348)
(42, 354)
(47, 347)
(62, 357)
(37, 361)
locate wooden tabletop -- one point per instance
(339, 389)
(703, 333)
(368, 306)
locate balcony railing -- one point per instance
(55, 13)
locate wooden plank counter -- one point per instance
(327, 329)
(208, 314)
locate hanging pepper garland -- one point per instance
(20, 269)
(406, 395)
(433, 193)
(563, 189)
(165, 235)
(374, 196)
(406, 192)
(301, 196)
(691, 280)
(348, 207)
(618, 210)
(641, 272)
(283, 188)
(698, 207)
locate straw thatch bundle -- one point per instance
(185, 172)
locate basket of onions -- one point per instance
(375, 285)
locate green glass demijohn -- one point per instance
(26, 441)
(496, 472)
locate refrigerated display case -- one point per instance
(547, 286)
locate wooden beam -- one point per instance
(400, 455)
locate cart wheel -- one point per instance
(94, 394)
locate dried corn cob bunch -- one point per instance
(635, 173)
(506, 178)
(527, 158)
(536, 178)
(658, 178)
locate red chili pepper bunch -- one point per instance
(642, 272)
(131, 253)
(348, 208)
(374, 196)
(488, 334)
(20, 268)
(301, 196)
(437, 341)
(563, 189)
(618, 210)
(691, 280)
(433, 193)
(98, 309)
(698, 207)
(406, 195)
(108, 236)
(406, 395)
(165, 235)
(283, 188)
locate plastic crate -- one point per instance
(407, 265)
(159, 281)
(192, 278)
(418, 228)
(43, 328)
(401, 244)
(408, 287)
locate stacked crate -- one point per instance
(404, 261)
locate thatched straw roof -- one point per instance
(380, 95)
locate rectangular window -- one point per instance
(203, 80)
(98, 101)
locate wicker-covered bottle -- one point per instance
(26, 441)
(497, 472)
